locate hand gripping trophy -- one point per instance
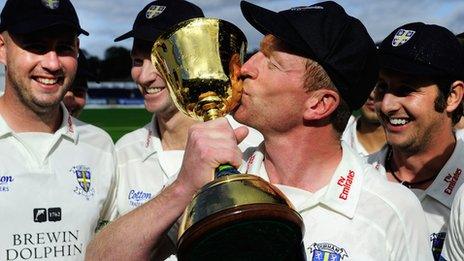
(236, 216)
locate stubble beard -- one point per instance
(43, 109)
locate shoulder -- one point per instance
(93, 136)
(134, 137)
(395, 198)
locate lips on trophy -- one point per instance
(236, 216)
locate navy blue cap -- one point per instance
(423, 50)
(325, 33)
(158, 16)
(27, 16)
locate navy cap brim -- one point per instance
(147, 34)
(270, 22)
(124, 36)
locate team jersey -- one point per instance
(437, 199)
(350, 137)
(146, 168)
(357, 216)
(53, 197)
(453, 248)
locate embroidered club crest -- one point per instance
(154, 11)
(327, 252)
(84, 177)
(402, 36)
(437, 240)
(51, 4)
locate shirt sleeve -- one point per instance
(453, 249)
(109, 210)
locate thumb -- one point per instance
(240, 133)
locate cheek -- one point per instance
(69, 63)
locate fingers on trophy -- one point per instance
(236, 216)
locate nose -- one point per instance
(389, 104)
(249, 68)
(51, 61)
(148, 74)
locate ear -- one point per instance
(455, 96)
(321, 104)
(3, 48)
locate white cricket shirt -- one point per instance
(145, 168)
(357, 216)
(453, 248)
(350, 137)
(53, 198)
(437, 199)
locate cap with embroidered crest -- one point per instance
(27, 16)
(325, 33)
(423, 50)
(158, 16)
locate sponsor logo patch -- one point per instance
(84, 179)
(5, 182)
(43, 215)
(452, 179)
(327, 252)
(346, 182)
(138, 197)
(402, 36)
(154, 10)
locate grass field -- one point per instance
(116, 122)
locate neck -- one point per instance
(370, 135)
(173, 130)
(21, 118)
(295, 159)
(423, 165)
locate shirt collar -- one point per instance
(450, 178)
(67, 127)
(341, 194)
(152, 142)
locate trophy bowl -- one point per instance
(236, 216)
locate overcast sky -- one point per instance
(107, 19)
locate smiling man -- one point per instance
(418, 99)
(364, 133)
(56, 173)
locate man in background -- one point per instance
(364, 133)
(419, 101)
(75, 98)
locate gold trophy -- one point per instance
(236, 216)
